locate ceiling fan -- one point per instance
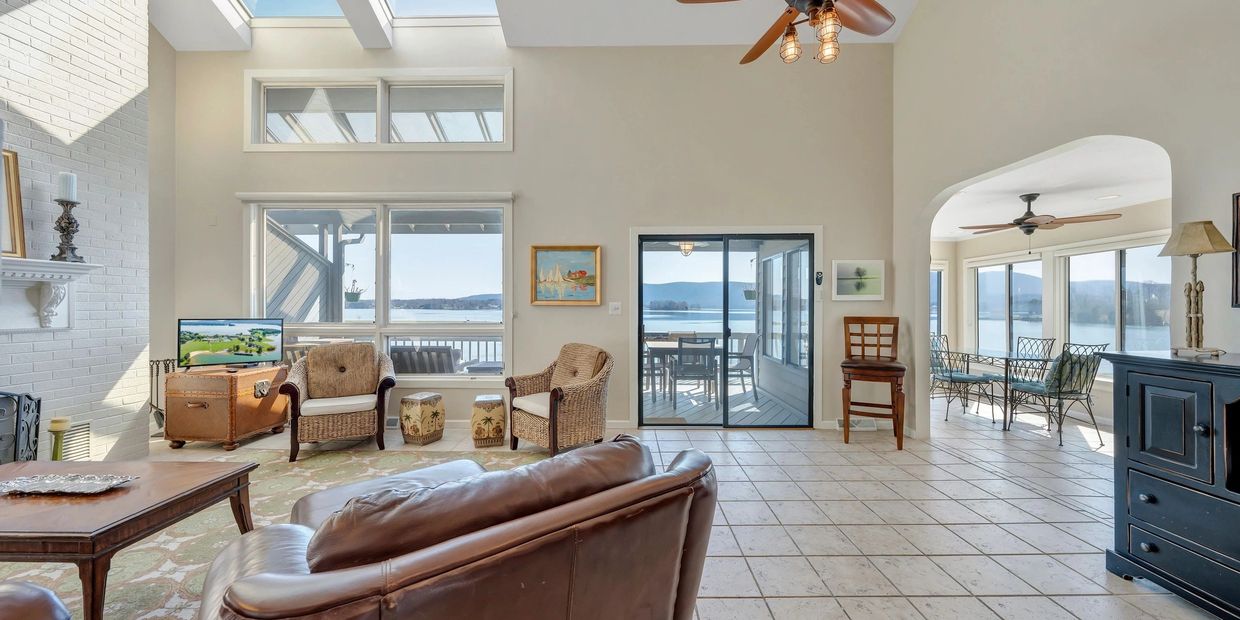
(1029, 223)
(826, 17)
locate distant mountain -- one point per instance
(483, 301)
(697, 295)
(1091, 301)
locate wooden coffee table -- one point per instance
(89, 530)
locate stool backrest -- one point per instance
(871, 337)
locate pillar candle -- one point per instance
(59, 424)
(67, 187)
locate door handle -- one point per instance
(197, 404)
(1201, 429)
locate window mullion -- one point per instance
(383, 133)
(1119, 300)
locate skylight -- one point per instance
(294, 8)
(443, 8)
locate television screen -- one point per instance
(206, 342)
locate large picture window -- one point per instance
(1121, 298)
(936, 301)
(437, 303)
(1009, 304)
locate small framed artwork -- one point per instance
(565, 275)
(858, 280)
(1235, 256)
(13, 231)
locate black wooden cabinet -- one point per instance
(1177, 484)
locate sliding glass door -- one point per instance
(726, 330)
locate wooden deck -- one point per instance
(692, 407)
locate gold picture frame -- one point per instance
(14, 242)
(566, 275)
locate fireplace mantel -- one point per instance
(37, 294)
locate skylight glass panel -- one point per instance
(447, 113)
(443, 8)
(460, 126)
(325, 115)
(413, 127)
(294, 8)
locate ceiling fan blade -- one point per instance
(989, 230)
(988, 226)
(772, 35)
(701, 1)
(864, 16)
(1102, 217)
(1040, 219)
(1050, 226)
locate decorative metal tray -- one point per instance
(63, 484)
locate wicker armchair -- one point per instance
(338, 391)
(565, 404)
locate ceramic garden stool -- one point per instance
(487, 420)
(421, 417)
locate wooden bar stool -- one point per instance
(870, 346)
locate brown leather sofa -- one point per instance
(593, 533)
(19, 599)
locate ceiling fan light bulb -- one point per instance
(826, 24)
(790, 48)
(828, 51)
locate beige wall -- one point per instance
(162, 139)
(606, 139)
(980, 85)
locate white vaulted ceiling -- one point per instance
(209, 25)
(557, 23)
(1125, 171)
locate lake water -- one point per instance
(706, 320)
(428, 316)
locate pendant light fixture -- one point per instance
(790, 49)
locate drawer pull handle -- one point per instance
(1201, 429)
(1146, 498)
(1149, 547)
(197, 404)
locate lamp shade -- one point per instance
(1195, 239)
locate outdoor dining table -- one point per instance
(1008, 361)
(665, 350)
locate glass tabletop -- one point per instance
(978, 354)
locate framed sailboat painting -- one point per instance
(565, 275)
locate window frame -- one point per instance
(1119, 257)
(1054, 276)
(941, 267)
(254, 276)
(257, 81)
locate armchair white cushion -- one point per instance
(538, 404)
(340, 404)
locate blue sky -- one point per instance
(423, 266)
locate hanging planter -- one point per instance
(353, 293)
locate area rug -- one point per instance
(161, 577)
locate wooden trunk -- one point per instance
(217, 405)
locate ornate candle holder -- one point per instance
(67, 226)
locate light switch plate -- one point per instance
(613, 308)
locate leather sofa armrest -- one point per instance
(344, 593)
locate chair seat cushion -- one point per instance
(339, 404)
(871, 364)
(538, 404)
(962, 377)
(20, 599)
(393, 522)
(1032, 387)
(314, 508)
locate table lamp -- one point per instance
(1193, 239)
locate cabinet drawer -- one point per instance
(1170, 425)
(1203, 519)
(1202, 573)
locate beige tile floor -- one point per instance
(973, 523)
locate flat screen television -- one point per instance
(210, 342)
